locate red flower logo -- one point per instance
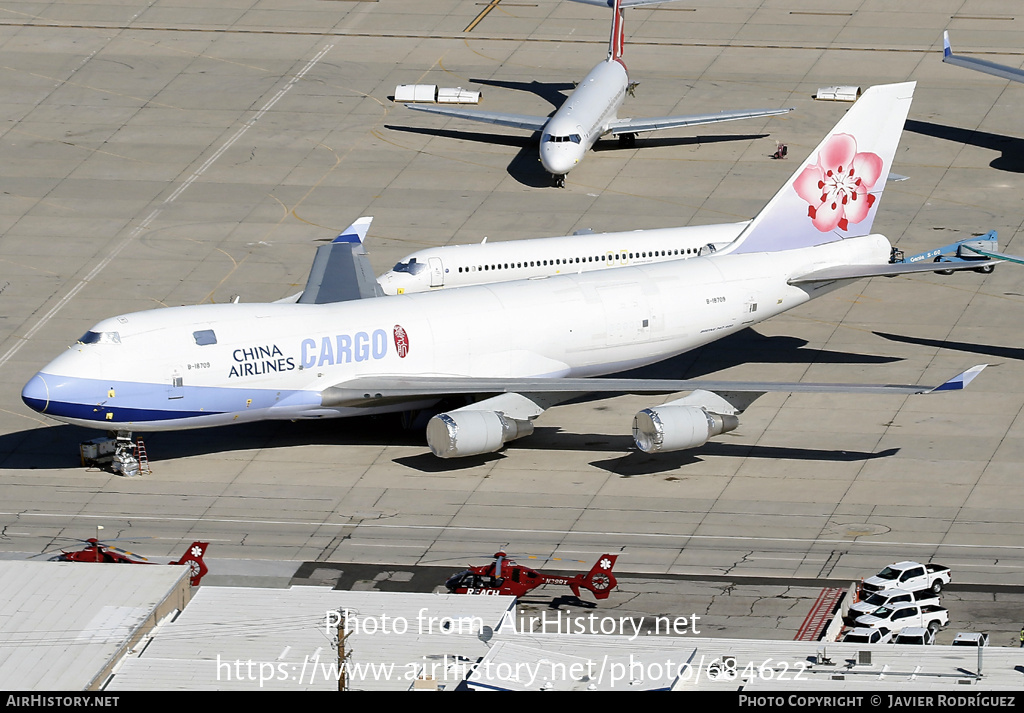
(401, 341)
(836, 187)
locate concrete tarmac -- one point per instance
(160, 153)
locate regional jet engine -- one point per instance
(469, 433)
(675, 428)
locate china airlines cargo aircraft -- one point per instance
(513, 348)
(591, 111)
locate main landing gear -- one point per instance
(627, 141)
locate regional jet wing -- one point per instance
(369, 390)
(858, 272)
(516, 121)
(979, 65)
(636, 126)
(341, 271)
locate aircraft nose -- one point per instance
(36, 393)
(559, 160)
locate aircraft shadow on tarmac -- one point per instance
(56, 446)
(1011, 148)
(551, 92)
(525, 167)
(986, 349)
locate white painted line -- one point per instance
(449, 528)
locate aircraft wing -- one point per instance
(979, 65)
(996, 256)
(636, 126)
(516, 121)
(857, 272)
(341, 271)
(371, 390)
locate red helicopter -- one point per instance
(96, 551)
(504, 576)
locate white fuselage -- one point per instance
(584, 117)
(483, 263)
(207, 365)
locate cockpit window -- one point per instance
(411, 266)
(574, 138)
(204, 337)
(100, 338)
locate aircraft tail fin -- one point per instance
(615, 44)
(193, 557)
(618, 38)
(599, 580)
(835, 192)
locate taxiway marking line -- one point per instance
(451, 528)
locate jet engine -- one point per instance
(672, 427)
(465, 432)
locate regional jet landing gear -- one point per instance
(627, 141)
(118, 452)
(558, 181)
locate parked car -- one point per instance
(863, 635)
(915, 635)
(969, 638)
(891, 597)
(900, 616)
(910, 577)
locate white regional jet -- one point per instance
(481, 263)
(591, 111)
(520, 345)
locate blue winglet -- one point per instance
(960, 381)
(947, 51)
(355, 233)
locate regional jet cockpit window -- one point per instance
(551, 138)
(412, 267)
(204, 337)
(100, 338)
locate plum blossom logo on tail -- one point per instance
(836, 187)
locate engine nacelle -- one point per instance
(675, 428)
(470, 433)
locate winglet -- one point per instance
(960, 381)
(355, 233)
(947, 51)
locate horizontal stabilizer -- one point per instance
(370, 390)
(636, 126)
(979, 65)
(858, 272)
(516, 121)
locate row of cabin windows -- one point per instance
(570, 261)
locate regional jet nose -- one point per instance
(559, 160)
(36, 394)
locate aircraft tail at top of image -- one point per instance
(591, 111)
(518, 346)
